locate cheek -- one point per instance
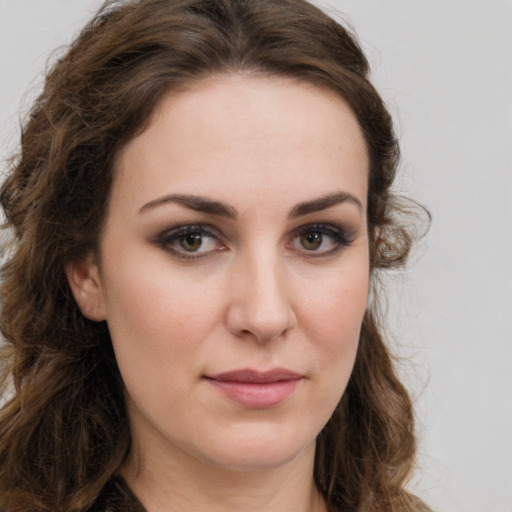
(157, 319)
(336, 309)
(335, 318)
(158, 334)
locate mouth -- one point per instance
(254, 389)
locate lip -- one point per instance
(256, 389)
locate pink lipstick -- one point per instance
(254, 389)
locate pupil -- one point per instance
(191, 242)
(312, 240)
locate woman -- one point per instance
(201, 203)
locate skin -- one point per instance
(272, 286)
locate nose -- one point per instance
(260, 306)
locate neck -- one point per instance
(189, 485)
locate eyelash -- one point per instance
(170, 236)
(341, 239)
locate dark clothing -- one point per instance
(116, 496)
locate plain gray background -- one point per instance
(445, 69)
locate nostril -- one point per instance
(262, 325)
(260, 305)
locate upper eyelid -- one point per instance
(172, 234)
(326, 227)
(212, 228)
(214, 231)
(184, 228)
(346, 235)
(342, 239)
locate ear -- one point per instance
(84, 280)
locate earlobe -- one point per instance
(84, 281)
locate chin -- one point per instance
(261, 451)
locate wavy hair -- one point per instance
(64, 431)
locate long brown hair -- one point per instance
(63, 429)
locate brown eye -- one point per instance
(319, 240)
(311, 241)
(191, 242)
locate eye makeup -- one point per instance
(190, 242)
(320, 240)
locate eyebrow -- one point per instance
(198, 203)
(209, 206)
(324, 202)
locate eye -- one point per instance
(320, 239)
(190, 242)
(312, 240)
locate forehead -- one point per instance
(226, 134)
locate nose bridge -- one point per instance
(260, 303)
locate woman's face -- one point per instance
(233, 270)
